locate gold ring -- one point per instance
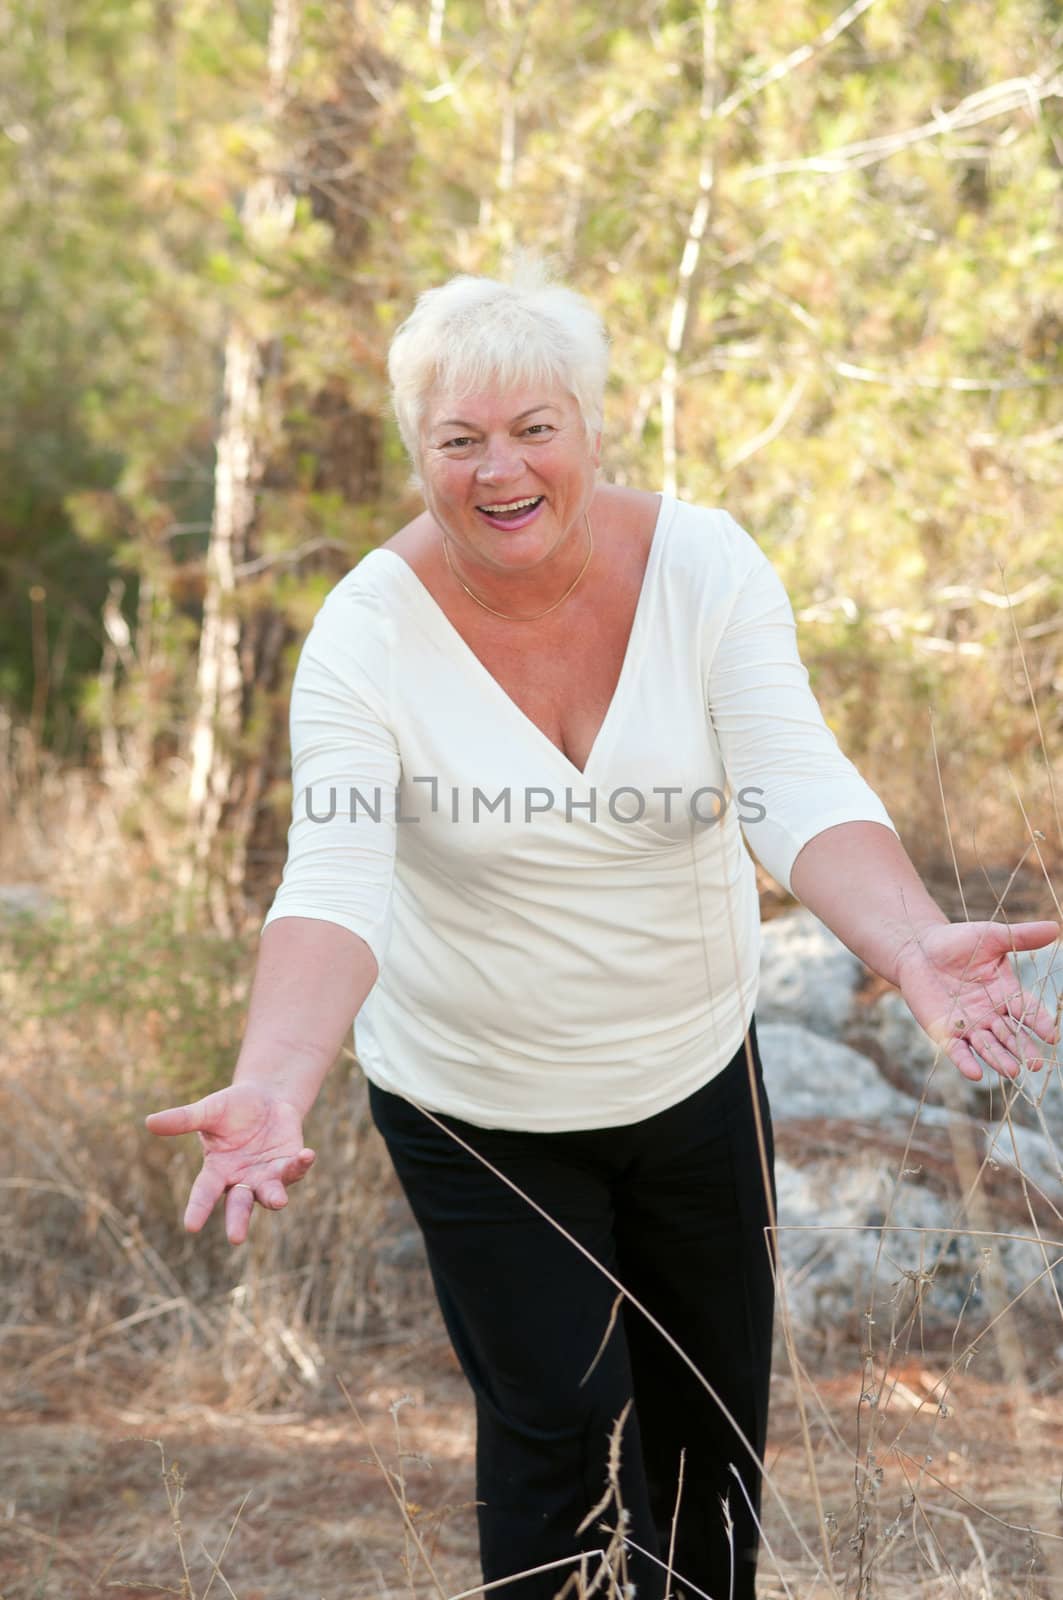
(241, 1186)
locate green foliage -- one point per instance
(869, 379)
(130, 982)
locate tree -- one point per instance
(237, 652)
(822, 240)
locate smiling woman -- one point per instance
(556, 1005)
(528, 471)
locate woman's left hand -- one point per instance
(961, 988)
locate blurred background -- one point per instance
(826, 244)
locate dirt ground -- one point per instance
(294, 1499)
(292, 1506)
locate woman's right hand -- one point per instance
(253, 1150)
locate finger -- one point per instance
(178, 1119)
(993, 1052)
(1012, 1037)
(272, 1193)
(239, 1204)
(1033, 1015)
(964, 1059)
(1030, 935)
(295, 1170)
(203, 1196)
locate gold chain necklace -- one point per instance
(535, 617)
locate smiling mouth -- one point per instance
(512, 508)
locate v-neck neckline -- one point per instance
(627, 668)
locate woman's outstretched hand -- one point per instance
(962, 990)
(252, 1150)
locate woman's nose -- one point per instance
(501, 460)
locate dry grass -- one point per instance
(173, 1416)
(307, 1512)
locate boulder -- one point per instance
(871, 1197)
(25, 900)
(809, 1075)
(855, 1239)
(807, 975)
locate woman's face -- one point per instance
(507, 473)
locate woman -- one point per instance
(528, 733)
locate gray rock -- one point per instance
(403, 1250)
(833, 1251)
(854, 1240)
(1010, 1145)
(808, 1075)
(856, 1233)
(807, 975)
(25, 900)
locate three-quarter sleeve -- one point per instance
(345, 770)
(777, 750)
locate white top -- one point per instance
(557, 949)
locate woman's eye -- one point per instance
(456, 444)
(537, 426)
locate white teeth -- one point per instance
(514, 505)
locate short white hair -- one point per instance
(476, 331)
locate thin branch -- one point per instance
(774, 428)
(247, 569)
(1013, 94)
(846, 369)
(795, 59)
(737, 355)
(957, 595)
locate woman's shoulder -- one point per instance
(707, 545)
(354, 626)
(352, 642)
(371, 585)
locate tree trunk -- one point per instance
(228, 669)
(691, 259)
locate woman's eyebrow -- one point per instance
(460, 422)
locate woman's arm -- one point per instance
(309, 985)
(311, 979)
(319, 947)
(825, 835)
(859, 880)
(956, 978)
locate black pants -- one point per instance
(674, 1206)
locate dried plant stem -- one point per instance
(215, 1568)
(397, 1495)
(674, 1526)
